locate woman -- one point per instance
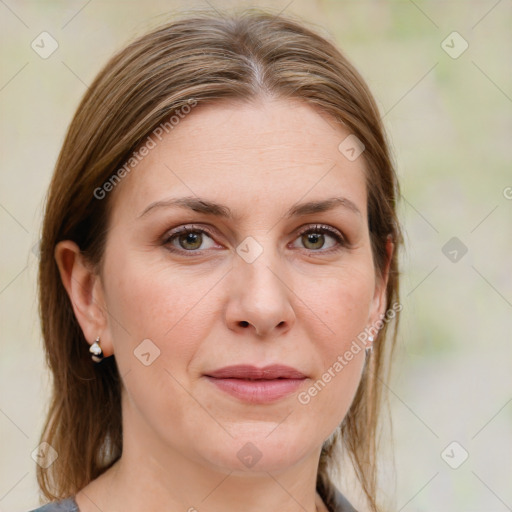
(218, 259)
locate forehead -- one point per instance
(270, 153)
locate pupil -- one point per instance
(193, 239)
(314, 238)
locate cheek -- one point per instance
(159, 303)
(342, 303)
(344, 306)
(157, 321)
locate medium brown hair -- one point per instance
(205, 58)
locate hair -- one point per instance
(205, 58)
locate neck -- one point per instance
(123, 488)
(151, 475)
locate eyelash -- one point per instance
(316, 229)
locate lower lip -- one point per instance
(258, 391)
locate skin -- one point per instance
(300, 303)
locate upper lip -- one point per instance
(249, 372)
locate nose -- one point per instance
(259, 299)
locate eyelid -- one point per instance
(323, 228)
(339, 237)
(186, 228)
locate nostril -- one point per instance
(243, 323)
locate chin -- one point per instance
(260, 452)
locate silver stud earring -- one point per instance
(369, 347)
(96, 351)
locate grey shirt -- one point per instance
(338, 504)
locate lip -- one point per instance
(250, 372)
(257, 385)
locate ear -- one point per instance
(85, 291)
(379, 305)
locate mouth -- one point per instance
(257, 385)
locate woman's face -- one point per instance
(217, 257)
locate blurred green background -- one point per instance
(448, 112)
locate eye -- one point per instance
(322, 237)
(317, 238)
(189, 239)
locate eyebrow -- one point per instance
(207, 207)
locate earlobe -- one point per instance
(84, 289)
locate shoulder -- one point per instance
(67, 505)
(333, 499)
(340, 503)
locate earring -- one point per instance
(95, 350)
(369, 347)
